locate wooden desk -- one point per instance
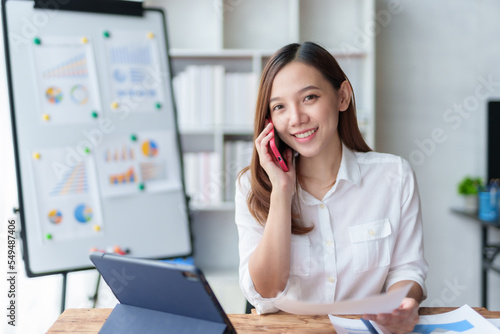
(89, 321)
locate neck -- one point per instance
(322, 168)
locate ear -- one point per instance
(345, 94)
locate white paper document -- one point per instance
(462, 320)
(383, 303)
(495, 322)
(355, 326)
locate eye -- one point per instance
(277, 107)
(310, 97)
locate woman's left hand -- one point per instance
(401, 320)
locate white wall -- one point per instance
(432, 56)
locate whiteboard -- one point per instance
(95, 134)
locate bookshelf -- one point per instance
(233, 40)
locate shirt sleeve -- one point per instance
(408, 262)
(250, 233)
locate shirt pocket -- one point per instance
(300, 254)
(370, 245)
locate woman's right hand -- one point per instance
(269, 264)
(279, 179)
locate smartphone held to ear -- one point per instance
(274, 143)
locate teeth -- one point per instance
(305, 134)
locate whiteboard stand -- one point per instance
(94, 297)
(63, 294)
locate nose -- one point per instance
(297, 116)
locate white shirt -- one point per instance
(367, 234)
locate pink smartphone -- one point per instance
(275, 150)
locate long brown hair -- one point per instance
(311, 54)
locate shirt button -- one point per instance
(331, 279)
(371, 232)
(322, 206)
(329, 243)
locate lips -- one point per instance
(305, 134)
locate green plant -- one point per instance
(469, 185)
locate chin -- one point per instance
(307, 153)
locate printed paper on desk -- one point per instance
(349, 326)
(383, 303)
(462, 320)
(495, 322)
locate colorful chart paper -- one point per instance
(131, 165)
(67, 195)
(66, 80)
(135, 71)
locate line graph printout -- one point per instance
(67, 195)
(66, 78)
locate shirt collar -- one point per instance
(349, 171)
(349, 167)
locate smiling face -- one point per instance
(305, 109)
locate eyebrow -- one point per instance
(300, 91)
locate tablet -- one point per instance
(156, 296)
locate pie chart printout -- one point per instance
(83, 213)
(150, 148)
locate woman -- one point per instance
(343, 222)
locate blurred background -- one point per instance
(423, 73)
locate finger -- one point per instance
(383, 319)
(400, 312)
(267, 129)
(370, 317)
(263, 151)
(263, 139)
(264, 143)
(399, 324)
(407, 307)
